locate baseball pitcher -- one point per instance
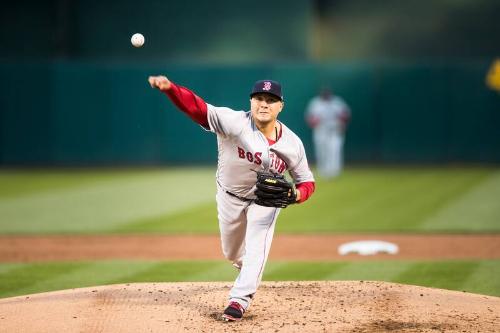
(254, 151)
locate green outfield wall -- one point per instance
(75, 113)
(223, 31)
(73, 90)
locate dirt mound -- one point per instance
(345, 306)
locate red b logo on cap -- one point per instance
(267, 86)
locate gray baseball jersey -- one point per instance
(328, 112)
(328, 135)
(243, 149)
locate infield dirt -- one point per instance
(342, 306)
(285, 247)
(327, 306)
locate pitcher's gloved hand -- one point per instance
(273, 190)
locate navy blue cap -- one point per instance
(267, 86)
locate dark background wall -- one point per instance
(74, 91)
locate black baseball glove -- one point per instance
(273, 190)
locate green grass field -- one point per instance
(182, 200)
(471, 276)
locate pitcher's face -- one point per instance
(265, 107)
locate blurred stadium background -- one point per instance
(420, 78)
(74, 91)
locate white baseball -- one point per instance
(137, 40)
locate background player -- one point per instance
(247, 142)
(328, 115)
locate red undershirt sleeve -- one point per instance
(189, 103)
(306, 190)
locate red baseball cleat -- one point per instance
(233, 312)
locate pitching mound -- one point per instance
(279, 307)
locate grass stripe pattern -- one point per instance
(176, 201)
(471, 276)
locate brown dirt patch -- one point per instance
(343, 306)
(285, 247)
